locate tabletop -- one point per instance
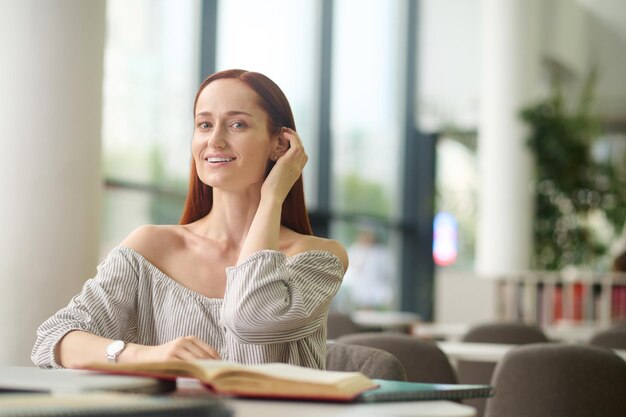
(485, 352)
(272, 408)
(284, 408)
(385, 319)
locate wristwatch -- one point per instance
(114, 349)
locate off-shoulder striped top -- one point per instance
(274, 308)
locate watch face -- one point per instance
(115, 347)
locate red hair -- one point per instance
(271, 98)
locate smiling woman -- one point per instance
(240, 278)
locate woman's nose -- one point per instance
(216, 139)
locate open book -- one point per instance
(273, 380)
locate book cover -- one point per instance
(418, 391)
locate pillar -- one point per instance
(510, 68)
(50, 181)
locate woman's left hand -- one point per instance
(287, 169)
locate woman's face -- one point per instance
(231, 143)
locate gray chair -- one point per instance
(373, 363)
(470, 372)
(422, 360)
(614, 338)
(558, 380)
(339, 324)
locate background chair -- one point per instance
(470, 372)
(559, 380)
(613, 337)
(374, 363)
(339, 324)
(422, 360)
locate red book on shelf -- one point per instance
(618, 302)
(577, 294)
(558, 303)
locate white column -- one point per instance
(511, 65)
(51, 55)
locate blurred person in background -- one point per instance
(368, 283)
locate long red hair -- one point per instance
(271, 98)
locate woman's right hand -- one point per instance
(288, 167)
(184, 348)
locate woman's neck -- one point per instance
(230, 217)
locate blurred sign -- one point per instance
(445, 239)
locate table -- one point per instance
(440, 331)
(571, 332)
(478, 352)
(386, 320)
(282, 408)
(265, 408)
(484, 352)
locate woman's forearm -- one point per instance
(78, 348)
(264, 231)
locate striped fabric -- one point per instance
(274, 308)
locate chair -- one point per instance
(373, 363)
(339, 324)
(613, 337)
(559, 380)
(422, 360)
(470, 372)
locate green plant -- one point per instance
(571, 185)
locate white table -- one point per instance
(441, 331)
(387, 320)
(282, 408)
(264, 408)
(484, 352)
(571, 332)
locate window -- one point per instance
(150, 80)
(367, 128)
(279, 39)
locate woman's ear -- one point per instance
(281, 145)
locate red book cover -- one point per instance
(577, 293)
(558, 303)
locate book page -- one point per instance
(278, 370)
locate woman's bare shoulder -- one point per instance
(305, 243)
(154, 241)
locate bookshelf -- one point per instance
(554, 298)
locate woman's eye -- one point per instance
(204, 125)
(238, 125)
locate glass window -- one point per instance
(456, 200)
(278, 38)
(367, 126)
(447, 103)
(150, 78)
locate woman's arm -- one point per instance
(265, 228)
(269, 299)
(106, 310)
(78, 348)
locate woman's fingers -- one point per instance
(187, 348)
(197, 349)
(296, 150)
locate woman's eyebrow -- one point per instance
(229, 113)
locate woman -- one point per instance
(241, 278)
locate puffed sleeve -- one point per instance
(270, 300)
(106, 306)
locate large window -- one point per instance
(448, 103)
(279, 39)
(366, 129)
(150, 79)
(349, 55)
